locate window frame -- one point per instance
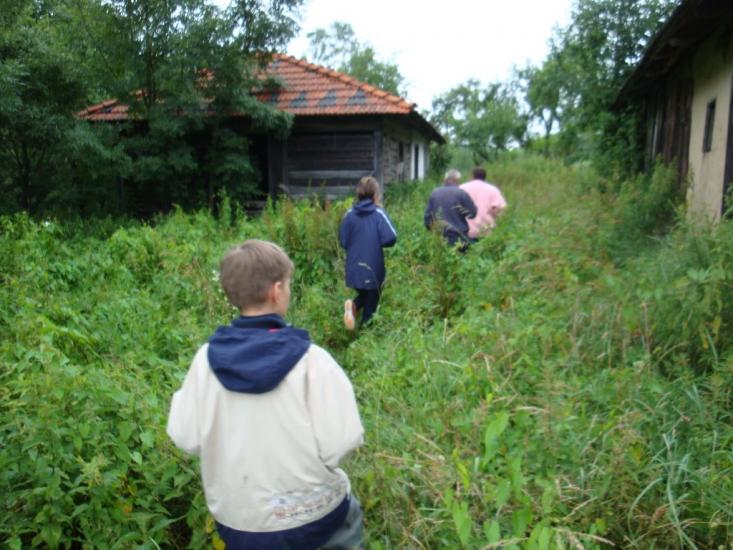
(707, 138)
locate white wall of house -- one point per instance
(713, 76)
(419, 157)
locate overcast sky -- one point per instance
(438, 45)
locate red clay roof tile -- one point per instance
(304, 87)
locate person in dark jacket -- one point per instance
(451, 207)
(364, 231)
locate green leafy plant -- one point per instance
(532, 393)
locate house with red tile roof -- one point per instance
(343, 129)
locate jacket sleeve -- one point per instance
(387, 232)
(469, 206)
(332, 407)
(183, 419)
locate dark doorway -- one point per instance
(417, 162)
(258, 151)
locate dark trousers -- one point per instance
(350, 535)
(367, 300)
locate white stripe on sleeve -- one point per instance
(387, 220)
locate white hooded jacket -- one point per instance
(269, 461)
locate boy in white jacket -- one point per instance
(271, 415)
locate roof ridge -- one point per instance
(97, 107)
(354, 97)
(345, 78)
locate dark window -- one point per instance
(707, 141)
(300, 100)
(402, 152)
(357, 99)
(328, 100)
(417, 161)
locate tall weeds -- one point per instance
(563, 384)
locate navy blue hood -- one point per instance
(254, 354)
(364, 207)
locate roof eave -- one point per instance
(667, 37)
(426, 128)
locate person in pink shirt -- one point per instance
(489, 203)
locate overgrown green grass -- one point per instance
(564, 384)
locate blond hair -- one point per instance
(249, 270)
(368, 188)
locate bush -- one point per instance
(645, 208)
(531, 393)
(690, 297)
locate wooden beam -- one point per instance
(378, 164)
(327, 174)
(728, 175)
(273, 166)
(708, 10)
(331, 192)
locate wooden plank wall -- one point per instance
(329, 164)
(669, 120)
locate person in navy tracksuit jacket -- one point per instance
(364, 231)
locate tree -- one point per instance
(603, 44)
(591, 58)
(39, 89)
(543, 87)
(484, 119)
(189, 66)
(334, 46)
(339, 48)
(184, 66)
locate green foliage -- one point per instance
(542, 93)
(39, 89)
(646, 207)
(309, 234)
(600, 47)
(485, 120)
(643, 209)
(689, 300)
(338, 47)
(183, 66)
(440, 159)
(185, 55)
(230, 166)
(82, 406)
(577, 83)
(532, 393)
